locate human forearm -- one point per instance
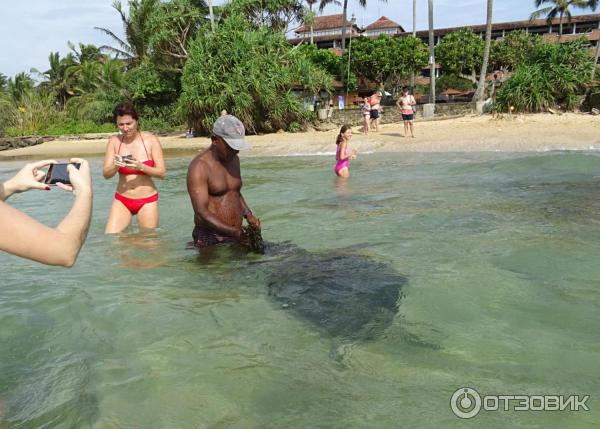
(109, 171)
(216, 224)
(158, 172)
(5, 191)
(74, 227)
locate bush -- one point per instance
(294, 127)
(452, 81)
(68, 127)
(250, 73)
(552, 74)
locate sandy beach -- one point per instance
(526, 133)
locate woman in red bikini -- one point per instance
(137, 157)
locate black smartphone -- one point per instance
(58, 173)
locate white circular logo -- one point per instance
(465, 403)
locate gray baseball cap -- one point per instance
(232, 131)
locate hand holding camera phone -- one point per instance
(58, 173)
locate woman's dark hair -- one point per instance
(125, 108)
(340, 136)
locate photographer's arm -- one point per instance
(24, 236)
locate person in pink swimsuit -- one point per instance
(343, 154)
(137, 157)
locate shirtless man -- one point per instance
(214, 182)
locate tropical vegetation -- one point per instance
(553, 74)
(181, 71)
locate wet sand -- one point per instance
(526, 133)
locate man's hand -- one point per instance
(253, 221)
(243, 238)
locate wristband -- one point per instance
(246, 212)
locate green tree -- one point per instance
(136, 46)
(274, 14)
(387, 59)
(3, 83)
(461, 53)
(56, 78)
(309, 17)
(249, 72)
(172, 25)
(511, 51)
(20, 87)
(146, 85)
(560, 8)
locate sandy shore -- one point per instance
(527, 133)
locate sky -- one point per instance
(31, 29)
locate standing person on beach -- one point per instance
(343, 154)
(365, 111)
(375, 102)
(24, 236)
(136, 193)
(406, 104)
(214, 182)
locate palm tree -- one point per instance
(324, 3)
(486, 52)
(310, 18)
(414, 33)
(136, 27)
(20, 86)
(56, 78)
(560, 8)
(431, 53)
(212, 15)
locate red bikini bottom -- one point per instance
(134, 205)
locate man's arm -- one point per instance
(247, 214)
(197, 184)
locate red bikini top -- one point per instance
(128, 170)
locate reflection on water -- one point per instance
(422, 273)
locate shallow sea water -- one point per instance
(491, 260)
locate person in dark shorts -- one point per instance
(406, 103)
(375, 102)
(214, 182)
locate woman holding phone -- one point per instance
(137, 157)
(24, 236)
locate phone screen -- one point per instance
(58, 173)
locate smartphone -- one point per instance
(58, 173)
(124, 158)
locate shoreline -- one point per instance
(523, 133)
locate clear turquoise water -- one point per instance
(502, 293)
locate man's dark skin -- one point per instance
(214, 182)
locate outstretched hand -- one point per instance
(29, 177)
(81, 179)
